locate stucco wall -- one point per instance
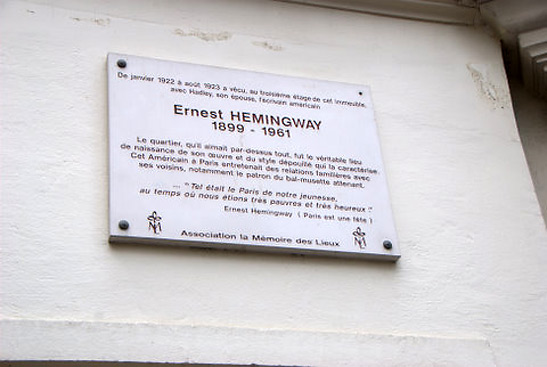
(468, 289)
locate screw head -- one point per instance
(388, 245)
(121, 63)
(123, 224)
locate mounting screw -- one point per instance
(387, 244)
(360, 93)
(121, 63)
(123, 224)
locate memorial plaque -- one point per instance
(213, 157)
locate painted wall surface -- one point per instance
(469, 289)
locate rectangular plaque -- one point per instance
(213, 157)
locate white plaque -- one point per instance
(213, 157)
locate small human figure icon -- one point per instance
(359, 238)
(154, 222)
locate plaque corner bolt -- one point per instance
(123, 224)
(388, 245)
(121, 63)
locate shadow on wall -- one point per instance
(531, 116)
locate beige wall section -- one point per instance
(468, 290)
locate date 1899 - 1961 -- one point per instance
(240, 128)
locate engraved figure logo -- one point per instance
(359, 238)
(154, 222)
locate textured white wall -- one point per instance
(468, 290)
